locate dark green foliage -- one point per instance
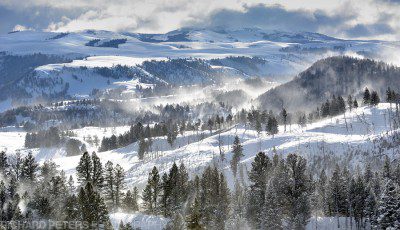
(258, 176)
(151, 192)
(366, 97)
(272, 125)
(92, 207)
(84, 170)
(72, 147)
(237, 150)
(375, 98)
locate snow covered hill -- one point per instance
(89, 61)
(357, 137)
(354, 136)
(286, 53)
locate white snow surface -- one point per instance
(364, 124)
(139, 220)
(355, 129)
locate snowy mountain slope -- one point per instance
(339, 76)
(200, 43)
(279, 57)
(354, 137)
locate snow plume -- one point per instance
(19, 27)
(390, 55)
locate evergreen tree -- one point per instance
(84, 169)
(366, 97)
(298, 192)
(193, 219)
(272, 125)
(29, 168)
(3, 163)
(337, 195)
(97, 174)
(130, 201)
(258, 177)
(341, 105)
(370, 209)
(374, 98)
(142, 148)
(109, 187)
(238, 203)
(119, 185)
(177, 223)
(223, 202)
(284, 118)
(387, 171)
(388, 206)
(322, 192)
(183, 185)
(272, 213)
(350, 102)
(92, 207)
(152, 192)
(71, 209)
(237, 150)
(355, 104)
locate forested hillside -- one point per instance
(340, 76)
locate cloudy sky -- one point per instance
(366, 19)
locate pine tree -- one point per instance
(97, 174)
(174, 190)
(29, 168)
(92, 207)
(147, 197)
(258, 126)
(387, 171)
(258, 178)
(84, 169)
(284, 117)
(355, 104)
(272, 215)
(152, 192)
(350, 102)
(183, 184)
(3, 195)
(71, 212)
(321, 189)
(370, 209)
(366, 97)
(272, 125)
(193, 219)
(359, 195)
(119, 185)
(3, 164)
(388, 206)
(71, 185)
(16, 165)
(341, 105)
(130, 201)
(337, 195)
(389, 97)
(177, 223)
(223, 202)
(298, 192)
(237, 150)
(375, 98)
(109, 187)
(238, 202)
(142, 148)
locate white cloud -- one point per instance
(164, 15)
(20, 28)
